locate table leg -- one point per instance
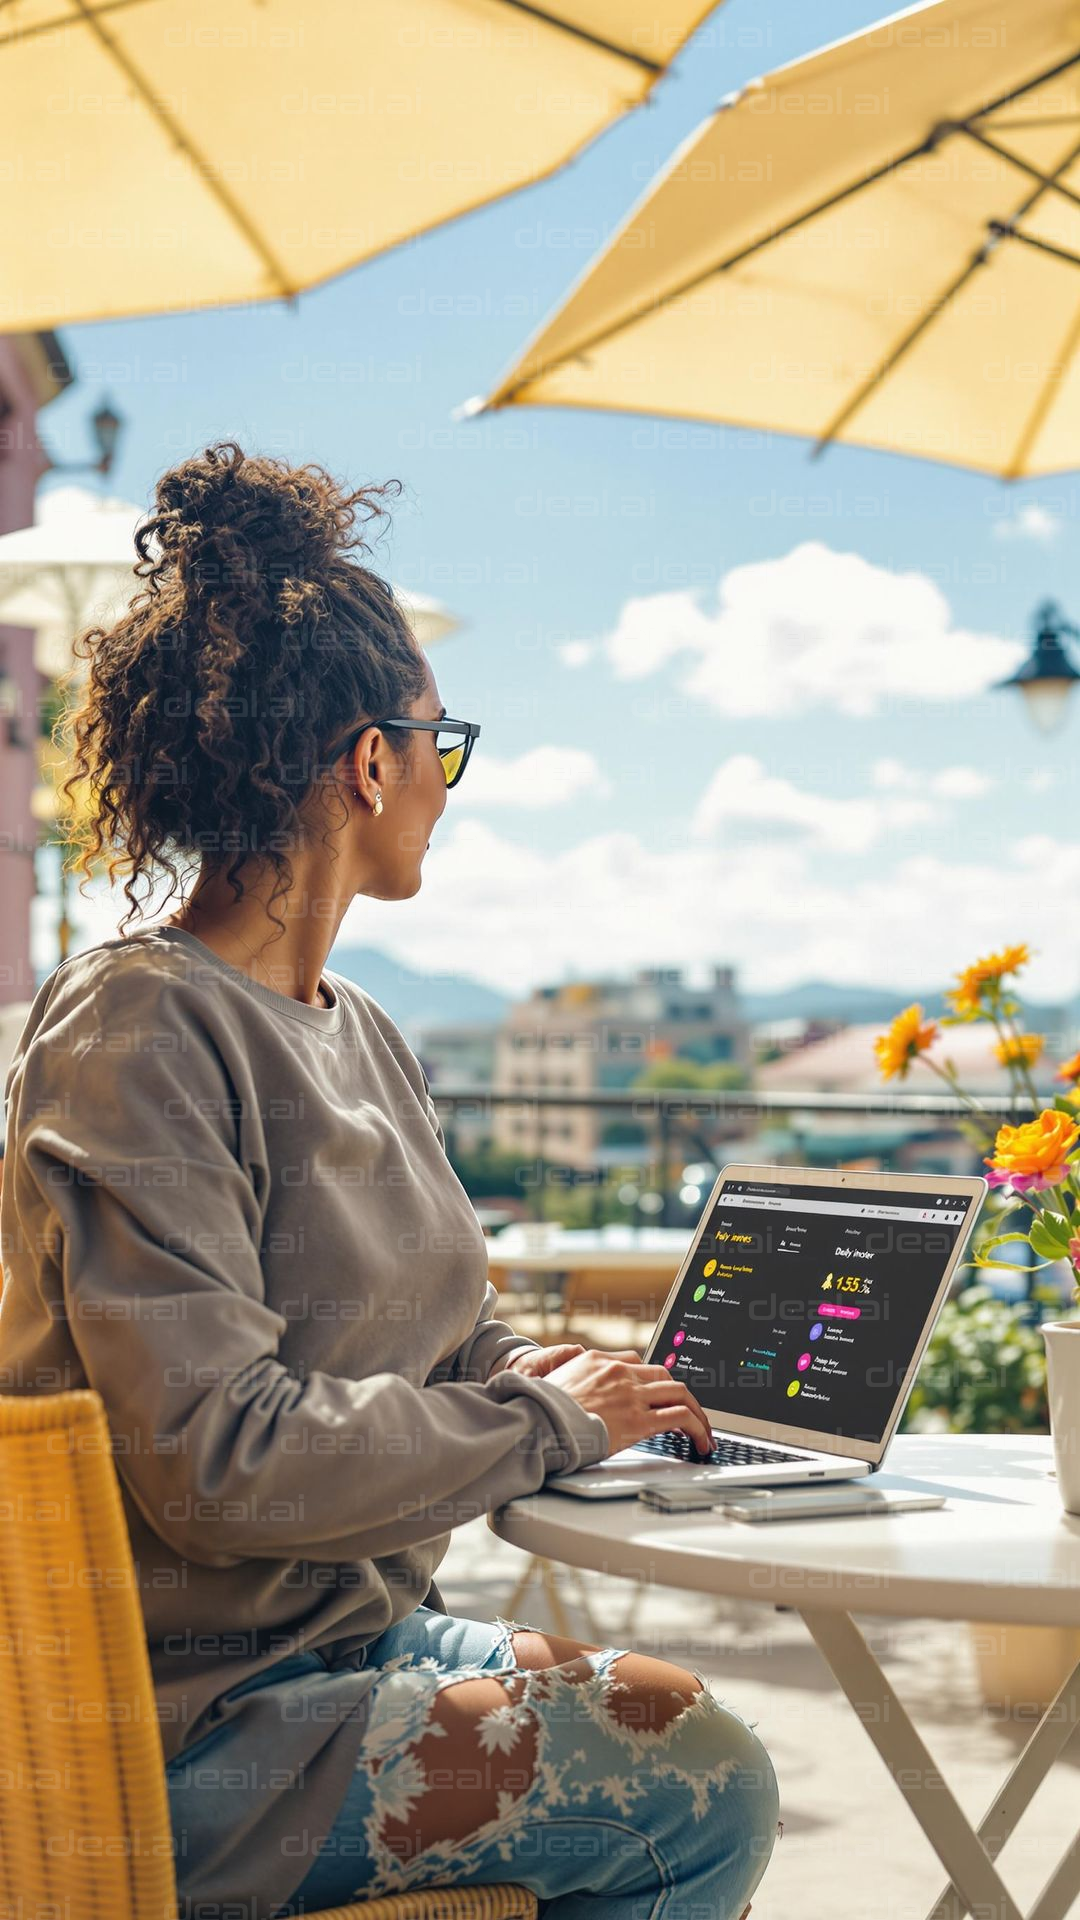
(1050, 1738)
(524, 1582)
(548, 1576)
(911, 1764)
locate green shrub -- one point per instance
(984, 1371)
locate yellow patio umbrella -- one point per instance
(161, 154)
(878, 244)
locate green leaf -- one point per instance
(1013, 1266)
(1014, 1206)
(999, 1239)
(1049, 1235)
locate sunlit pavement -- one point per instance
(849, 1848)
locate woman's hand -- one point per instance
(538, 1361)
(633, 1400)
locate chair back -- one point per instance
(84, 1815)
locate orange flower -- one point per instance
(1020, 1050)
(1009, 960)
(909, 1035)
(1070, 1069)
(1034, 1155)
(966, 998)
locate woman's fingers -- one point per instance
(633, 1400)
(671, 1396)
(680, 1420)
(670, 1389)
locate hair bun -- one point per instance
(224, 516)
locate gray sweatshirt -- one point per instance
(233, 1216)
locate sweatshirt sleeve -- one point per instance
(155, 1228)
(491, 1342)
(488, 1346)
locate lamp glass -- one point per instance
(1046, 702)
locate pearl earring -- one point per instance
(377, 808)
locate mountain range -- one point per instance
(856, 1006)
(415, 1000)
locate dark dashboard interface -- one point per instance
(805, 1305)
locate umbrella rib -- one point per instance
(932, 140)
(590, 39)
(997, 231)
(723, 266)
(1005, 231)
(903, 346)
(1026, 86)
(1039, 411)
(1040, 122)
(1014, 160)
(201, 165)
(56, 26)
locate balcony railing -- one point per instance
(712, 1126)
(750, 1101)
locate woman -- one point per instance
(229, 1210)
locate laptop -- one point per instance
(798, 1320)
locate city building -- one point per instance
(462, 1057)
(33, 370)
(597, 1036)
(845, 1063)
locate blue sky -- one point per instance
(712, 807)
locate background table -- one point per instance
(1000, 1550)
(606, 1271)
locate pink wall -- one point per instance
(22, 463)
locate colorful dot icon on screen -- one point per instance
(709, 1268)
(816, 1330)
(700, 1292)
(803, 1361)
(793, 1389)
(678, 1338)
(671, 1359)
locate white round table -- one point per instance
(1001, 1549)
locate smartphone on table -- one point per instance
(762, 1504)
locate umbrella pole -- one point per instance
(63, 923)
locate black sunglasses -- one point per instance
(454, 754)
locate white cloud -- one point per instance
(961, 783)
(499, 910)
(949, 783)
(542, 777)
(813, 628)
(514, 916)
(576, 653)
(1031, 523)
(742, 794)
(652, 631)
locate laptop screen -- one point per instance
(805, 1306)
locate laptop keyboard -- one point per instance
(725, 1453)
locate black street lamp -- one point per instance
(106, 424)
(1047, 676)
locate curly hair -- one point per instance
(256, 642)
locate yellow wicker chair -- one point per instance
(84, 1816)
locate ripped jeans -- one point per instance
(601, 1814)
